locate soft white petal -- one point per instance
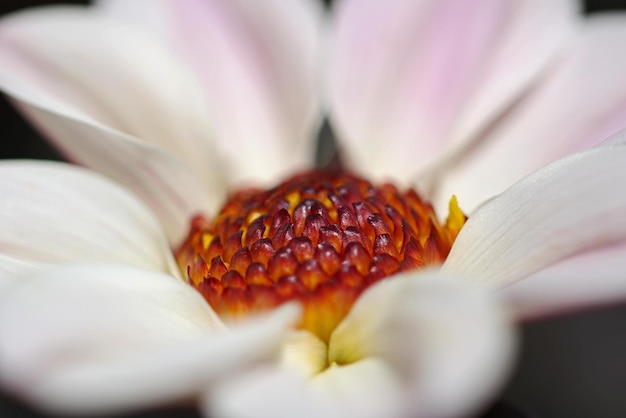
(164, 183)
(581, 103)
(258, 62)
(351, 391)
(110, 73)
(57, 213)
(11, 268)
(98, 339)
(267, 391)
(573, 205)
(420, 345)
(410, 80)
(447, 340)
(594, 278)
(304, 352)
(109, 95)
(153, 15)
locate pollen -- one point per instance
(319, 238)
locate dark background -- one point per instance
(572, 367)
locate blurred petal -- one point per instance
(348, 391)
(141, 339)
(304, 352)
(58, 213)
(447, 342)
(573, 205)
(581, 103)
(258, 63)
(410, 80)
(11, 268)
(411, 346)
(594, 278)
(107, 95)
(153, 15)
(165, 184)
(272, 392)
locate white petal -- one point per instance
(417, 346)
(258, 62)
(410, 80)
(447, 340)
(349, 391)
(109, 96)
(118, 338)
(10, 270)
(573, 205)
(153, 15)
(111, 73)
(594, 278)
(581, 103)
(58, 213)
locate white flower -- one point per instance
(179, 101)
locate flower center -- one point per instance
(319, 238)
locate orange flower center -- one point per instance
(319, 238)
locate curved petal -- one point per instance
(109, 96)
(142, 338)
(447, 340)
(58, 213)
(258, 62)
(594, 278)
(110, 73)
(411, 346)
(573, 205)
(11, 268)
(581, 103)
(411, 80)
(336, 393)
(165, 184)
(153, 15)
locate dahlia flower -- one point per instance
(124, 285)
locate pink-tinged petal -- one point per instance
(582, 102)
(58, 213)
(103, 91)
(258, 63)
(153, 15)
(105, 339)
(590, 279)
(573, 205)
(412, 80)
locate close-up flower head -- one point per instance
(290, 208)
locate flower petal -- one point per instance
(447, 340)
(412, 80)
(258, 62)
(420, 345)
(594, 278)
(349, 391)
(573, 205)
(141, 338)
(11, 268)
(581, 103)
(111, 73)
(58, 213)
(113, 99)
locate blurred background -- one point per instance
(572, 367)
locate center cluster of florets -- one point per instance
(320, 238)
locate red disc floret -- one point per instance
(319, 238)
